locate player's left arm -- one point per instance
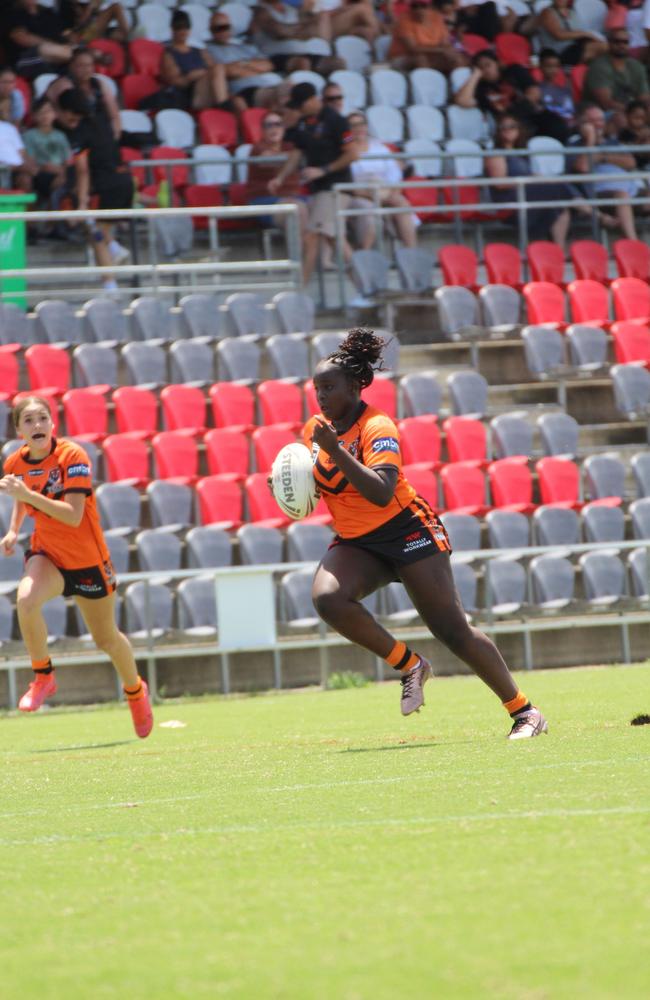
(375, 484)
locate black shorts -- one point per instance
(92, 582)
(116, 192)
(415, 533)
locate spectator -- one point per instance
(283, 34)
(612, 164)
(87, 20)
(80, 74)
(98, 171)
(349, 17)
(34, 39)
(421, 38)
(557, 96)
(489, 87)
(385, 171)
(273, 143)
(614, 79)
(479, 18)
(322, 136)
(12, 102)
(637, 132)
(48, 155)
(536, 118)
(559, 28)
(193, 79)
(248, 71)
(543, 223)
(629, 15)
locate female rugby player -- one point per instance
(385, 532)
(50, 479)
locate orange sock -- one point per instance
(517, 704)
(133, 693)
(401, 657)
(42, 666)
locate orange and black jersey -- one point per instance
(65, 470)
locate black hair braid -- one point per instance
(360, 355)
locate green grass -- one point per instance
(316, 845)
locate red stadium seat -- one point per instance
(559, 482)
(9, 373)
(183, 408)
(420, 441)
(112, 57)
(179, 175)
(544, 304)
(203, 196)
(136, 411)
(219, 501)
(218, 128)
(176, 456)
(590, 260)
(503, 264)
(631, 343)
(474, 43)
(589, 302)
(280, 403)
(139, 174)
(459, 265)
(267, 442)
(250, 122)
(145, 56)
(423, 196)
(546, 262)
(465, 194)
(512, 485)
(466, 440)
(126, 459)
(86, 414)
(632, 259)
(631, 299)
(233, 405)
(463, 488)
(560, 77)
(578, 74)
(381, 394)
(135, 87)
(227, 451)
(48, 367)
(512, 49)
(262, 508)
(26, 90)
(311, 403)
(424, 482)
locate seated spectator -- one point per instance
(193, 79)
(421, 38)
(384, 171)
(614, 79)
(80, 74)
(543, 223)
(282, 33)
(88, 20)
(490, 87)
(34, 39)
(12, 102)
(536, 117)
(482, 19)
(48, 155)
(557, 97)
(629, 15)
(321, 135)
(612, 164)
(248, 71)
(259, 174)
(637, 132)
(559, 28)
(346, 17)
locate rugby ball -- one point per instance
(292, 481)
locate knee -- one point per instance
(27, 601)
(329, 605)
(454, 632)
(107, 640)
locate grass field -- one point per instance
(316, 845)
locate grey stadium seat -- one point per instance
(289, 356)
(191, 362)
(200, 316)
(208, 547)
(398, 604)
(57, 322)
(239, 359)
(295, 312)
(501, 308)
(458, 312)
(469, 394)
(603, 578)
(95, 364)
(15, 328)
(150, 615)
(158, 550)
(119, 507)
(421, 393)
(118, 546)
(307, 542)
(560, 434)
(640, 513)
(369, 272)
(197, 606)
(6, 619)
(604, 476)
(466, 585)
(511, 435)
(151, 318)
(259, 545)
(104, 321)
(82, 628)
(295, 599)
(631, 385)
(640, 465)
(553, 581)
(588, 347)
(248, 314)
(11, 570)
(170, 505)
(415, 269)
(464, 531)
(390, 354)
(556, 526)
(638, 562)
(544, 351)
(94, 456)
(4, 418)
(507, 529)
(505, 587)
(326, 343)
(146, 364)
(602, 524)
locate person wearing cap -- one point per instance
(324, 144)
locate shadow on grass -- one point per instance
(86, 746)
(395, 746)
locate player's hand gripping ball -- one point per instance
(292, 481)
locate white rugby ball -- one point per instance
(293, 482)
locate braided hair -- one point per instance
(359, 356)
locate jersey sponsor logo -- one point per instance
(81, 469)
(36, 472)
(386, 444)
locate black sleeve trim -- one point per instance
(75, 489)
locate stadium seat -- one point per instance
(298, 610)
(420, 441)
(288, 354)
(148, 606)
(382, 394)
(146, 364)
(132, 123)
(145, 56)
(631, 343)
(546, 262)
(170, 505)
(248, 314)
(176, 456)
(589, 302)
(213, 167)
(466, 440)
(126, 459)
(178, 177)
(262, 508)
(388, 87)
(118, 547)
(217, 128)
(267, 442)
(47, 367)
(307, 542)
(466, 584)
(559, 482)
(505, 586)
(464, 531)
(238, 359)
(578, 74)
(85, 414)
(56, 323)
(191, 363)
(605, 479)
(232, 405)
(227, 452)
(280, 403)
(559, 433)
(603, 578)
(632, 259)
(459, 265)
(398, 607)
(250, 122)
(547, 156)
(631, 385)
(468, 392)
(544, 304)
(544, 351)
(153, 20)
(425, 482)
(219, 501)
(590, 261)
(640, 465)
(135, 87)
(158, 550)
(203, 196)
(208, 547)
(588, 347)
(637, 562)
(415, 269)
(511, 436)
(355, 52)
(259, 544)
(512, 48)
(421, 394)
(458, 312)
(136, 411)
(197, 607)
(385, 123)
(463, 487)
(151, 319)
(128, 156)
(428, 86)
(631, 299)
(14, 326)
(602, 523)
(326, 343)
(556, 526)
(95, 365)
(353, 85)
(9, 374)
(500, 308)
(183, 409)
(200, 316)
(639, 511)
(507, 529)
(503, 264)
(552, 581)
(369, 272)
(425, 123)
(466, 123)
(111, 57)
(295, 312)
(511, 485)
(473, 44)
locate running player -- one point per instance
(50, 479)
(385, 532)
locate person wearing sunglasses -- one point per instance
(273, 143)
(189, 72)
(421, 38)
(614, 79)
(248, 71)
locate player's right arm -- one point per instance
(376, 485)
